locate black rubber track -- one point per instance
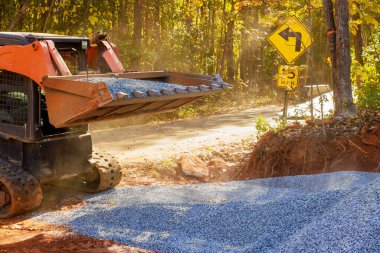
(23, 190)
(107, 169)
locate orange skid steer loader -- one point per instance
(51, 87)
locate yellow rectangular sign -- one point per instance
(287, 76)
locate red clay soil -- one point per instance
(25, 236)
(318, 147)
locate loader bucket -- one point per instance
(77, 100)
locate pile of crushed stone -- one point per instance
(332, 212)
(320, 146)
(129, 86)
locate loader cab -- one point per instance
(23, 110)
(27, 139)
(72, 49)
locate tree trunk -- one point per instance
(87, 5)
(211, 43)
(123, 22)
(338, 38)
(331, 37)
(19, 15)
(158, 35)
(148, 30)
(346, 106)
(255, 54)
(230, 57)
(223, 40)
(48, 15)
(245, 56)
(137, 34)
(358, 40)
(358, 45)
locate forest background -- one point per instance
(211, 36)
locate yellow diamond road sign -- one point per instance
(291, 39)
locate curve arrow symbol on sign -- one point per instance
(286, 33)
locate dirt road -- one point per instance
(137, 143)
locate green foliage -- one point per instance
(186, 36)
(187, 112)
(192, 36)
(281, 123)
(262, 126)
(368, 94)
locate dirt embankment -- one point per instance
(318, 147)
(220, 162)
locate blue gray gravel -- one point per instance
(336, 212)
(129, 86)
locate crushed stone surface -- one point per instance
(335, 212)
(129, 86)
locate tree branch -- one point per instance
(19, 15)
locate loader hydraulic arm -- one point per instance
(37, 60)
(111, 58)
(101, 48)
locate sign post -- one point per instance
(287, 79)
(291, 39)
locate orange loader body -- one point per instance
(51, 87)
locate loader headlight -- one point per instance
(84, 44)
